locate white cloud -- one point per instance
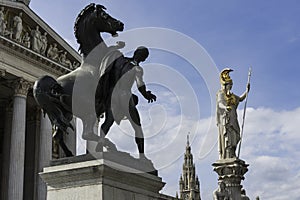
(270, 146)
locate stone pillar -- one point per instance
(45, 154)
(17, 147)
(231, 172)
(31, 159)
(6, 151)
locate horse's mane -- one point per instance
(79, 23)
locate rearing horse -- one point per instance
(74, 93)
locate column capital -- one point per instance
(21, 87)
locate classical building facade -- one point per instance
(189, 184)
(29, 48)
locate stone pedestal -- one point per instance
(231, 172)
(102, 176)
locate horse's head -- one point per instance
(91, 21)
(105, 23)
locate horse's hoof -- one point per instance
(104, 142)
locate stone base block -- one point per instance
(102, 176)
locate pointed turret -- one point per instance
(189, 183)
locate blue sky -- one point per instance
(236, 34)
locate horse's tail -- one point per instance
(47, 92)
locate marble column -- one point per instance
(31, 159)
(45, 154)
(17, 147)
(6, 150)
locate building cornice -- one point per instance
(31, 56)
(55, 56)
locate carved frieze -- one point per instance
(16, 26)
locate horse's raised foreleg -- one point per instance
(60, 139)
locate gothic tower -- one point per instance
(189, 185)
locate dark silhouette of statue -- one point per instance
(116, 99)
(101, 86)
(56, 97)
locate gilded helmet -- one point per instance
(225, 77)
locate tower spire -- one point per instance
(189, 183)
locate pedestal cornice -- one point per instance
(231, 169)
(102, 168)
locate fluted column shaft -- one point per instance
(17, 147)
(45, 154)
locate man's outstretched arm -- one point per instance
(142, 87)
(147, 94)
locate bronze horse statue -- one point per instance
(88, 91)
(56, 98)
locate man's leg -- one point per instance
(136, 124)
